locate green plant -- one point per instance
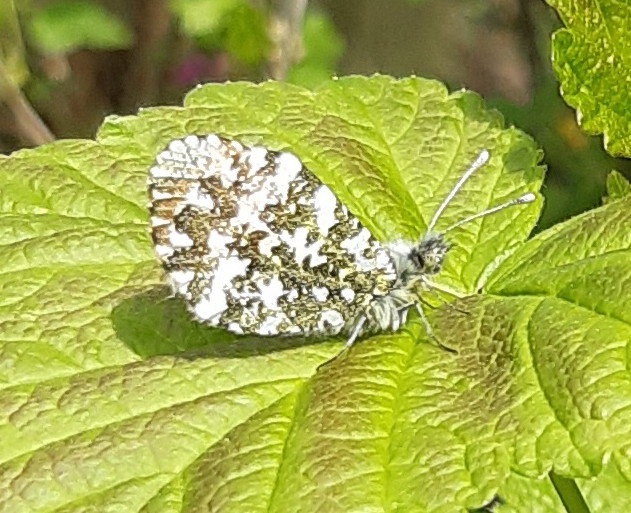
(113, 399)
(68, 25)
(233, 26)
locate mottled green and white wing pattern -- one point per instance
(255, 243)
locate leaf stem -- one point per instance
(285, 30)
(570, 495)
(28, 124)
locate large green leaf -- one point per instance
(592, 59)
(112, 399)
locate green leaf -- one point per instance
(113, 399)
(617, 186)
(245, 35)
(322, 48)
(66, 26)
(609, 492)
(233, 26)
(202, 17)
(592, 61)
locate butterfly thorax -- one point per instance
(414, 263)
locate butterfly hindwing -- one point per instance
(255, 243)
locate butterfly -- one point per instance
(255, 243)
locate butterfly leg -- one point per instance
(433, 287)
(426, 325)
(429, 331)
(442, 288)
(355, 331)
(403, 314)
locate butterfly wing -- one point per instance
(255, 243)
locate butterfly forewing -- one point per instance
(255, 243)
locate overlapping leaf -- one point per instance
(592, 59)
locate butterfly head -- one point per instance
(426, 258)
(428, 255)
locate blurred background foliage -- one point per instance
(65, 64)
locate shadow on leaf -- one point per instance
(151, 324)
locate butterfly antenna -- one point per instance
(481, 159)
(526, 198)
